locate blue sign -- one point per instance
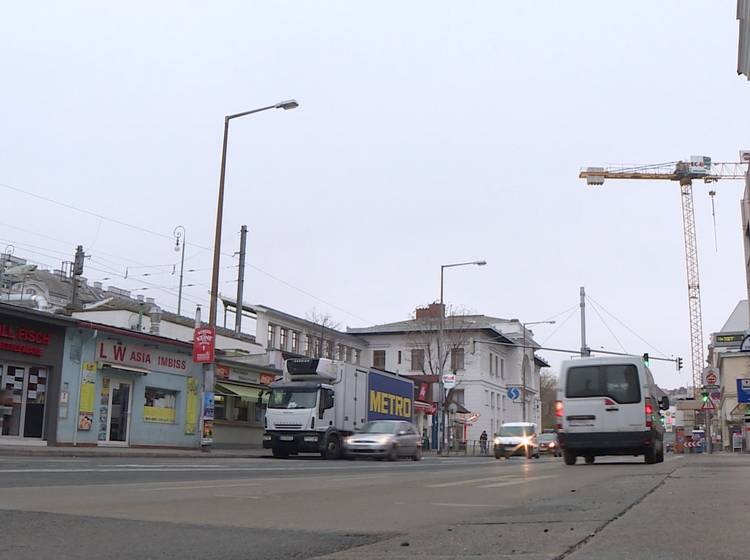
(208, 405)
(743, 390)
(389, 398)
(514, 393)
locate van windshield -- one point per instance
(616, 381)
(516, 431)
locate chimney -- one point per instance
(155, 314)
(139, 297)
(432, 311)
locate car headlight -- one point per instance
(526, 441)
(348, 440)
(497, 441)
(552, 444)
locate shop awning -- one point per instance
(422, 406)
(105, 366)
(234, 390)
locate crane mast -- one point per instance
(699, 168)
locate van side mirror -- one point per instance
(664, 405)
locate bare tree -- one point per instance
(326, 332)
(548, 396)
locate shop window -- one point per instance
(220, 407)
(161, 406)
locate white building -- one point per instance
(487, 355)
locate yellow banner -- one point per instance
(86, 406)
(163, 415)
(191, 407)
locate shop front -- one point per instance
(31, 353)
(241, 396)
(131, 390)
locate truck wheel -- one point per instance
(590, 459)
(570, 458)
(332, 449)
(650, 456)
(279, 453)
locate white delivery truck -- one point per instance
(319, 402)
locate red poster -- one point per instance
(267, 378)
(203, 345)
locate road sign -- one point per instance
(708, 405)
(745, 346)
(514, 393)
(204, 340)
(743, 390)
(449, 380)
(711, 377)
(715, 395)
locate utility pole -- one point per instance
(77, 271)
(585, 350)
(240, 280)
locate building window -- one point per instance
(349, 355)
(378, 359)
(271, 336)
(308, 344)
(486, 397)
(492, 365)
(417, 360)
(458, 396)
(282, 338)
(328, 345)
(342, 353)
(457, 359)
(502, 367)
(160, 406)
(399, 357)
(357, 356)
(317, 348)
(295, 342)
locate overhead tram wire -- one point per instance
(571, 314)
(594, 307)
(170, 237)
(627, 327)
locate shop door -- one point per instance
(119, 411)
(22, 406)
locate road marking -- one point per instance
(441, 504)
(469, 481)
(200, 487)
(515, 482)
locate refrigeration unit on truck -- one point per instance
(319, 402)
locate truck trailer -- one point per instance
(319, 402)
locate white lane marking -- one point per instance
(440, 504)
(469, 481)
(515, 482)
(238, 497)
(199, 487)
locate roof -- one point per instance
(34, 315)
(452, 323)
(61, 286)
(739, 320)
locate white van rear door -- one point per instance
(624, 398)
(583, 405)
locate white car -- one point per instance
(516, 438)
(609, 406)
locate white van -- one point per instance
(608, 406)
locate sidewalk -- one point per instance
(143, 452)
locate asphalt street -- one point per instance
(123, 508)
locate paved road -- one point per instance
(262, 508)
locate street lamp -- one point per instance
(286, 105)
(180, 237)
(523, 369)
(441, 429)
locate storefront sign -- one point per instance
(267, 378)
(242, 377)
(743, 390)
(23, 340)
(222, 372)
(141, 357)
(88, 393)
(203, 345)
(208, 405)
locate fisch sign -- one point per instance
(141, 357)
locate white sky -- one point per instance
(429, 132)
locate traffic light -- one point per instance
(679, 364)
(704, 396)
(645, 359)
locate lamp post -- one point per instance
(441, 428)
(286, 105)
(180, 237)
(208, 369)
(523, 369)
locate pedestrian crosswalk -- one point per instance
(492, 481)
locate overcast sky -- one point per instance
(428, 133)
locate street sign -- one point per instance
(743, 390)
(708, 405)
(203, 345)
(715, 395)
(710, 377)
(514, 393)
(449, 380)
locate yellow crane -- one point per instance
(683, 172)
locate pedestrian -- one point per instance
(483, 442)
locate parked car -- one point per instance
(517, 438)
(549, 445)
(385, 439)
(609, 406)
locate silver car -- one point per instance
(385, 439)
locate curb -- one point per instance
(81, 454)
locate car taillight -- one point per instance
(559, 414)
(649, 413)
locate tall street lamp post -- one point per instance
(441, 429)
(180, 237)
(523, 369)
(208, 370)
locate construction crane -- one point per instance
(684, 172)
